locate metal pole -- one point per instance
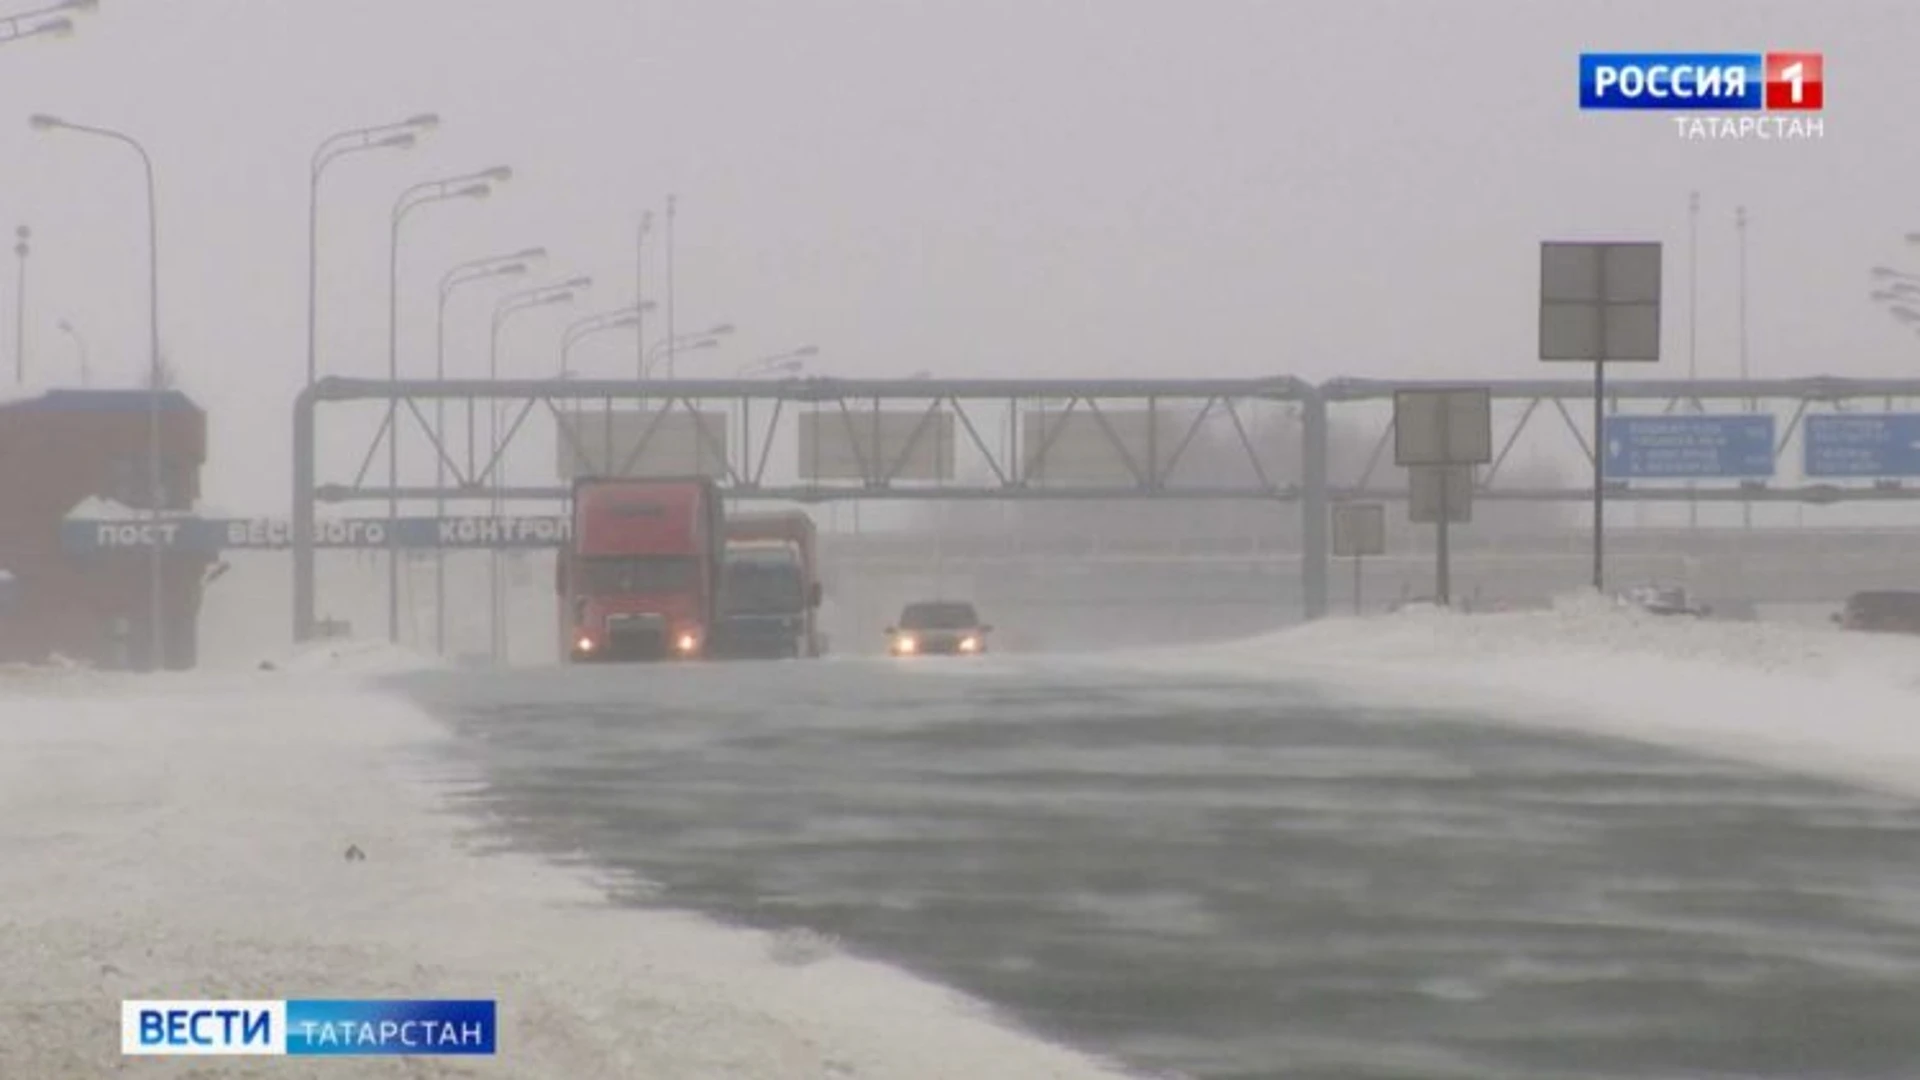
(313, 265)
(1693, 321)
(156, 625)
(1740, 226)
(1314, 571)
(640, 296)
(21, 249)
(1357, 560)
(494, 456)
(303, 476)
(393, 416)
(1599, 483)
(440, 473)
(670, 211)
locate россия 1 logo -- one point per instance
(1782, 94)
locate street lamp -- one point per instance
(785, 359)
(155, 375)
(400, 135)
(476, 185)
(669, 347)
(473, 270)
(80, 343)
(21, 249)
(787, 367)
(504, 309)
(594, 324)
(14, 28)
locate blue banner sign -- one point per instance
(1862, 445)
(276, 534)
(1689, 447)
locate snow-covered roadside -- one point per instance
(1807, 699)
(190, 843)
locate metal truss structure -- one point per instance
(1015, 459)
(1147, 465)
(1665, 397)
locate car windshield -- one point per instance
(637, 574)
(762, 585)
(939, 616)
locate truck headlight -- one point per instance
(584, 643)
(686, 643)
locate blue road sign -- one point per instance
(1862, 445)
(208, 535)
(1689, 447)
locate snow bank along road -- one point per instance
(184, 838)
(1804, 699)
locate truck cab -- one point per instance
(641, 580)
(771, 588)
(768, 600)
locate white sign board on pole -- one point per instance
(1443, 427)
(1359, 530)
(1600, 302)
(1425, 493)
(869, 444)
(641, 443)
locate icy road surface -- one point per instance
(1229, 876)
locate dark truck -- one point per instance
(1888, 611)
(642, 577)
(772, 588)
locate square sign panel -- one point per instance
(1443, 427)
(1600, 302)
(1431, 487)
(1359, 529)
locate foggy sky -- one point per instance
(976, 187)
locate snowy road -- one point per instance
(1223, 877)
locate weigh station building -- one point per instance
(58, 451)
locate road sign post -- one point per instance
(1599, 302)
(1439, 435)
(1861, 446)
(1359, 530)
(1696, 446)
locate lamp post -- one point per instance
(396, 136)
(505, 308)
(21, 249)
(791, 360)
(475, 185)
(155, 375)
(668, 347)
(80, 344)
(641, 304)
(784, 367)
(595, 324)
(474, 270)
(16, 28)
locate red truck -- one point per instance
(772, 589)
(642, 578)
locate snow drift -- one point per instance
(189, 843)
(1805, 699)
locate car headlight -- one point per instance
(686, 643)
(905, 645)
(584, 643)
(970, 644)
